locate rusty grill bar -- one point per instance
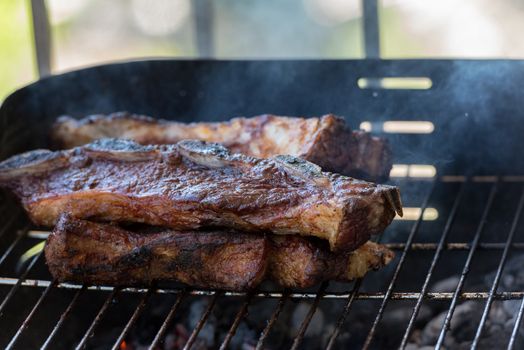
(202, 321)
(387, 295)
(517, 295)
(500, 268)
(167, 321)
(241, 313)
(434, 261)
(465, 270)
(63, 317)
(353, 295)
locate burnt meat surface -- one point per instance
(87, 252)
(327, 141)
(93, 253)
(193, 185)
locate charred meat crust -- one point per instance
(352, 153)
(194, 185)
(296, 262)
(86, 252)
(327, 141)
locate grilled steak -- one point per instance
(93, 253)
(297, 262)
(193, 185)
(327, 141)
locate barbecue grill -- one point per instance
(477, 191)
(455, 127)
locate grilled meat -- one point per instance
(194, 185)
(93, 253)
(327, 141)
(297, 262)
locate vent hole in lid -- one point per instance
(396, 83)
(366, 126)
(413, 170)
(413, 213)
(399, 127)
(415, 127)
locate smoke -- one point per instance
(483, 115)
(476, 106)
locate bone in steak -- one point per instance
(327, 141)
(86, 252)
(193, 185)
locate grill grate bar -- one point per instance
(21, 234)
(30, 316)
(62, 318)
(453, 246)
(271, 322)
(515, 330)
(447, 229)
(498, 274)
(241, 313)
(17, 285)
(389, 291)
(201, 322)
(12, 219)
(167, 322)
(309, 316)
(133, 318)
(347, 308)
(465, 270)
(344, 314)
(275, 295)
(88, 334)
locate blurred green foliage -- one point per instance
(16, 51)
(91, 32)
(395, 40)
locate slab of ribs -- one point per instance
(128, 213)
(94, 253)
(326, 141)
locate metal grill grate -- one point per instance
(484, 214)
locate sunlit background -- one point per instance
(88, 32)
